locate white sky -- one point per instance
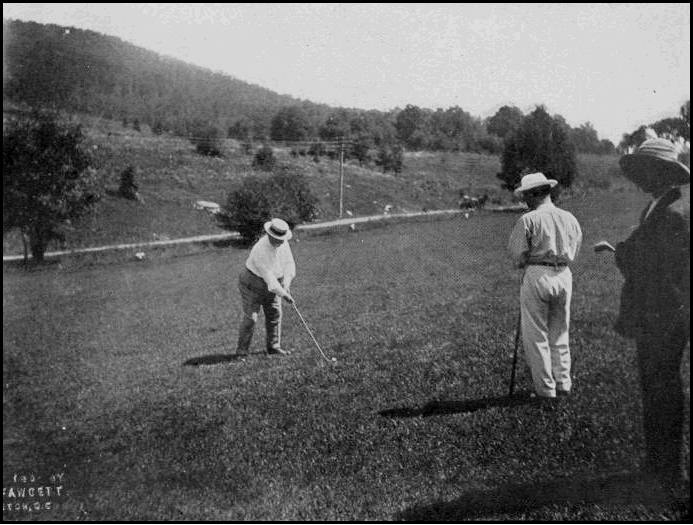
(618, 66)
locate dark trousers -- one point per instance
(659, 361)
(255, 297)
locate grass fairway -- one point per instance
(115, 376)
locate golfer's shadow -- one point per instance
(215, 359)
(439, 408)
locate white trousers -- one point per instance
(545, 308)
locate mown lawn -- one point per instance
(116, 376)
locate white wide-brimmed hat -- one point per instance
(278, 229)
(533, 181)
(655, 158)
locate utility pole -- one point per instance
(341, 177)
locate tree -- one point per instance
(47, 179)
(413, 127)
(541, 143)
(585, 138)
(633, 140)
(506, 120)
(336, 126)
(672, 128)
(290, 123)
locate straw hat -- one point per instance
(533, 181)
(278, 229)
(655, 158)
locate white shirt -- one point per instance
(272, 264)
(545, 235)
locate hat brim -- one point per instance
(638, 167)
(533, 186)
(287, 236)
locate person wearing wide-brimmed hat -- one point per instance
(544, 242)
(263, 283)
(655, 299)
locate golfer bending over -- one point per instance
(544, 241)
(263, 283)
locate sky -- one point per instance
(617, 66)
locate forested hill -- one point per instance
(84, 71)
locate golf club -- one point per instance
(334, 359)
(517, 344)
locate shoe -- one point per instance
(536, 397)
(546, 403)
(277, 350)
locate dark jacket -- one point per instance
(656, 263)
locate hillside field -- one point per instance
(117, 378)
(172, 176)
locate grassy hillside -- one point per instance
(172, 176)
(117, 377)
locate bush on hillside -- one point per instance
(264, 159)
(207, 141)
(390, 158)
(260, 197)
(128, 188)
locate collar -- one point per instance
(545, 205)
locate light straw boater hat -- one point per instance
(533, 181)
(655, 158)
(278, 229)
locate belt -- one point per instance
(252, 273)
(555, 265)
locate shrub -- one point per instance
(264, 159)
(260, 197)
(390, 158)
(128, 188)
(316, 150)
(207, 141)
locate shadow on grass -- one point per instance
(215, 359)
(437, 408)
(617, 489)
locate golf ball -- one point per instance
(334, 359)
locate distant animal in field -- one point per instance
(468, 202)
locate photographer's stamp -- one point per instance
(32, 492)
